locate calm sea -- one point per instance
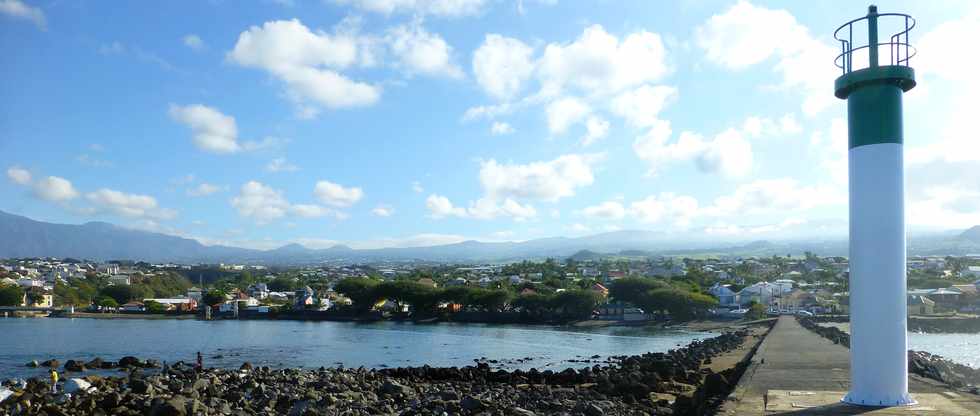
(315, 344)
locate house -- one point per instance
(515, 280)
(763, 292)
(459, 281)
(304, 298)
(621, 312)
(259, 291)
(971, 271)
(120, 279)
(786, 285)
(109, 269)
(36, 297)
(132, 307)
(920, 305)
(175, 304)
(484, 281)
(726, 297)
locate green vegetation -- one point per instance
(11, 295)
(213, 297)
(679, 298)
(154, 307)
(93, 288)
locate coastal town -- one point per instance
(723, 288)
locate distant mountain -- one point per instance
(972, 234)
(24, 237)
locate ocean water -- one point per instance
(314, 344)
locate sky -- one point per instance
(394, 123)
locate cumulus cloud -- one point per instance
(194, 42)
(308, 63)
(746, 35)
(500, 128)
(54, 189)
(502, 65)
(596, 128)
(775, 195)
(18, 10)
(315, 211)
(483, 209)
(728, 153)
(19, 175)
(260, 202)
(665, 207)
(600, 62)
(336, 195)
(545, 180)
(129, 205)
(213, 131)
(203, 189)
(565, 112)
(441, 8)
(441, 207)
(419, 51)
(383, 211)
(641, 107)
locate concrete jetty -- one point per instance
(797, 372)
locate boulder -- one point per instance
(177, 406)
(130, 361)
(95, 363)
(72, 365)
(52, 363)
(391, 388)
(472, 404)
(141, 386)
(33, 363)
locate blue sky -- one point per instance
(381, 123)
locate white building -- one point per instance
(763, 292)
(971, 271)
(120, 279)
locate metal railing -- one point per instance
(900, 49)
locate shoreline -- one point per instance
(683, 381)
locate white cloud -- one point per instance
(746, 35)
(203, 189)
(565, 112)
(280, 164)
(419, 51)
(441, 8)
(728, 153)
(502, 65)
(500, 128)
(641, 107)
(260, 202)
(775, 196)
(129, 205)
(213, 131)
(596, 128)
(19, 175)
(308, 63)
(54, 189)
(676, 209)
(194, 42)
(580, 228)
(546, 180)
(310, 210)
(17, 9)
(609, 210)
(482, 209)
(417, 187)
(598, 62)
(762, 126)
(383, 211)
(441, 207)
(336, 195)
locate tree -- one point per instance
(576, 303)
(11, 295)
(283, 284)
(360, 290)
(491, 300)
(632, 289)
(213, 297)
(154, 307)
(756, 311)
(120, 293)
(107, 302)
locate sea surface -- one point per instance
(961, 348)
(315, 344)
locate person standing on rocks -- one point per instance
(200, 362)
(54, 381)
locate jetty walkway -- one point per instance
(797, 372)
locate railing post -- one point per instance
(872, 36)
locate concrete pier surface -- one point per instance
(797, 372)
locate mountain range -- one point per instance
(24, 237)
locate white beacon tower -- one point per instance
(879, 361)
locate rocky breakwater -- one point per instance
(920, 363)
(676, 382)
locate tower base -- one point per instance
(852, 398)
